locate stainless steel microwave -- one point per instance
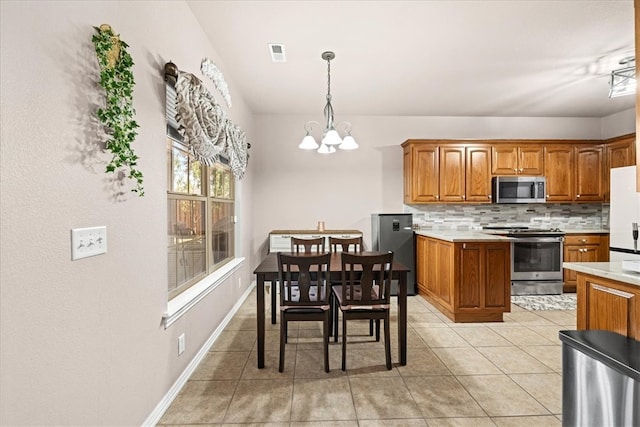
(518, 189)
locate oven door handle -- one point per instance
(538, 239)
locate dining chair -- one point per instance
(353, 244)
(364, 293)
(304, 296)
(299, 245)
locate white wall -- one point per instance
(83, 341)
(296, 188)
(622, 123)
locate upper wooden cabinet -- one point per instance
(447, 173)
(465, 173)
(421, 173)
(558, 169)
(618, 152)
(517, 159)
(589, 167)
(621, 151)
(574, 173)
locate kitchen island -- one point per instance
(465, 274)
(608, 297)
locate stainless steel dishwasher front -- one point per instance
(600, 379)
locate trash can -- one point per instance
(600, 379)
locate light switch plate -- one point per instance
(86, 242)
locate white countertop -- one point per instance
(462, 236)
(608, 270)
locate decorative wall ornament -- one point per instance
(210, 70)
(116, 78)
(205, 127)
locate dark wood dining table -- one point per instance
(267, 271)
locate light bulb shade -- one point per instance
(332, 138)
(348, 143)
(326, 149)
(308, 143)
(622, 82)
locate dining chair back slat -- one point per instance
(353, 244)
(301, 245)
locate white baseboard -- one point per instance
(168, 398)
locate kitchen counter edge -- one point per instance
(607, 270)
(455, 236)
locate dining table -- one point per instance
(267, 271)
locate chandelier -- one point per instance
(330, 136)
(623, 80)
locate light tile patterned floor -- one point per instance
(479, 374)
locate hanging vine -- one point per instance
(117, 116)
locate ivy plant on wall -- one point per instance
(118, 114)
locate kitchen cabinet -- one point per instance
(280, 240)
(608, 305)
(574, 172)
(467, 281)
(447, 173)
(583, 248)
(465, 173)
(619, 152)
(589, 171)
(517, 159)
(421, 173)
(558, 169)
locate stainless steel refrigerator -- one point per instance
(394, 232)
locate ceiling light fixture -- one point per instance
(623, 80)
(330, 136)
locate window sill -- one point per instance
(189, 298)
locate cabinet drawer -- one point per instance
(582, 239)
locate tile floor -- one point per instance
(479, 374)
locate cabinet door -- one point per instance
(444, 272)
(530, 160)
(571, 253)
(471, 275)
(478, 174)
(610, 308)
(558, 167)
(504, 160)
(452, 174)
(589, 172)
(421, 263)
(424, 174)
(621, 153)
(432, 266)
(497, 276)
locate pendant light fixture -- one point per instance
(330, 136)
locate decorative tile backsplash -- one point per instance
(565, 216)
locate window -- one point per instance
(201, 226)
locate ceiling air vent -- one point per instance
(277, 52)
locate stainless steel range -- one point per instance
(536, 259)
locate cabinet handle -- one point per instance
(578, 196)
(521, 170)
(583, 240)
(437, 197)
(463, 197)
(488, 196)
(515, 170)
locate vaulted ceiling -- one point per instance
(425, 58)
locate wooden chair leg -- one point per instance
(283, 333)
(325, 339)
(335, 320)
(377, 330)
(274, 284)
(370, 327)
(387, 341)
(344, 343)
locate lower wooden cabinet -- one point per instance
(468, 282)
(583, 248)
(609, 305)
